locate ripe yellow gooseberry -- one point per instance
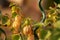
(27, 30)
(16, 23)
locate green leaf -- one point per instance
(55, 36)
(38, 25)
(8, 23)
(57, 29)
(48, 35)
(57, 24)
(43, 33)
(4, 19)
(26, 22)
(11, 4)
(16, 37)
(14, 14)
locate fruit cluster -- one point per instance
(28, 29)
